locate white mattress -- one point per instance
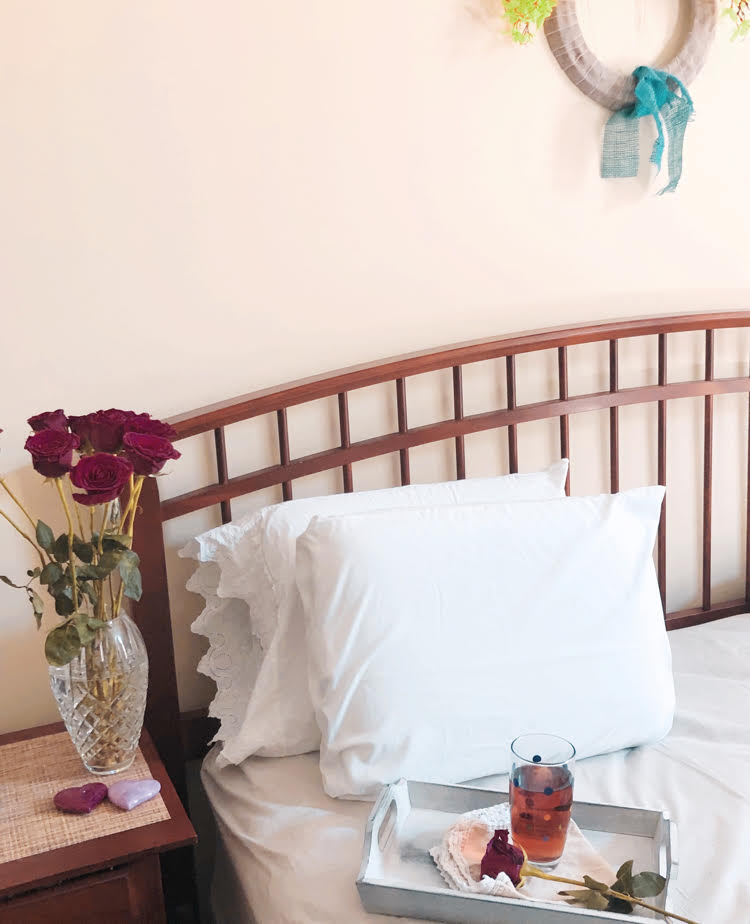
(289, 853)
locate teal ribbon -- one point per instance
(665, 98)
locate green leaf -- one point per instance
(51, 573)
(7, 580)
(61, 549)
(577, 896)
(90, 592)
(62, 644)
(646, 885)
(626, 870)
(44, 536)
(116, 541)
(96, 623)
(37, 605)
(84, 550)
(131, 576)
(597, 902)
(85, 633)
(619, 906)
(109, 561)
(61, 586)
(594, 885)
(35, 573)
(64, 603)
(624, 881)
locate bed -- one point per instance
(288, 852)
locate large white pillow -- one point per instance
(437, 635)
(256, 562)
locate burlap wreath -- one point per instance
(606, 86)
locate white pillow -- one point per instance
(256, 561)
(437, 635)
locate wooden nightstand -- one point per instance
(112, 879)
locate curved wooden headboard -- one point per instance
(152, 613)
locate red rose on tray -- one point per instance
(102, 476)
(102, 430)
(148, 453)
(49, 420)
(502, 857)
(52, 451)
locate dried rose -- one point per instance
(52, 451)
(102, 430)
(49, 420)
(148, 453)
(502, 857)
(102, 476)
(144, 423)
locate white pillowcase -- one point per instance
(256, 561)
(437, 635)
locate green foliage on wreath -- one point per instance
(526, 17)
(739, 12)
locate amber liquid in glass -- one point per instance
(541, 799)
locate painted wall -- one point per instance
(203, 198)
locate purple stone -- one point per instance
(126, 794)
(80, 800)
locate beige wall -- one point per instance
(203, 198)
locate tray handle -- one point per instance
(391, 800)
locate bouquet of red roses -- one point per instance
(94, 461)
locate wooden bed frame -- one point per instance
(177, 737)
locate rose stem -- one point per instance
(76, 508)
(129, 532)
(105, 517)
(102, 530)
(23, 510)
(71, 559)
(18, 503)
(131, 495)
(538, 874)
(134, 508)
(25, 535)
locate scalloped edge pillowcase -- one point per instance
(248, 568)
(435, 636)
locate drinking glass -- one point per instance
(541, 795)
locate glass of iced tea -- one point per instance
(541, 795)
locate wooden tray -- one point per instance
(399, 877)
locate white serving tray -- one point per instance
(398, 876)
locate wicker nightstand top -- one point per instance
(32, 771)
(39, 845)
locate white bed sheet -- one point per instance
(289, 854)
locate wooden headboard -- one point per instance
(153, 613)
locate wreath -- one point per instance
(660, 95)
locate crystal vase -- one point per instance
(101, 695)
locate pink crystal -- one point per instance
(80, 800)
(126, 794)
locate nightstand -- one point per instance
(111, 877)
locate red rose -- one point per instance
(49, 420)
(144, 423)
(502, 857)
(102, 476)
(102, 430)
(52, 451)
(147, 452)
